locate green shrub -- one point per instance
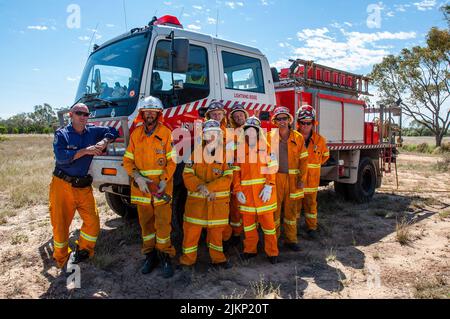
(423, 148)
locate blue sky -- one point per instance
(41, 58)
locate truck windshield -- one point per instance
(114, 73)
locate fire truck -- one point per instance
(187, 70)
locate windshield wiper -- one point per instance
(93, 97)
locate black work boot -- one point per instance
(312, 234)
(232, 242)
(273, 259)
(166, 265)
(248, 256)
(151, 260)
(79, 256)
(225, 265)
(293, 246)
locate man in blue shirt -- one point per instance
(70, 190)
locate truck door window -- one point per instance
(242, 73)
(190, 86)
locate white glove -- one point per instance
(142, 182)
(241, 198)
(202, 189)
(266, 193)
(162, 186)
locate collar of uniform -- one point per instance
(152, 131)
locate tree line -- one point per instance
(42, 121)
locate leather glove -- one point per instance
(266, 193)
(241, 198)
(142, 182)
(162, 186)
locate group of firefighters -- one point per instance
(227, 197)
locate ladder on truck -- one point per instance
(310, 74)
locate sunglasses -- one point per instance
(80, 113)
(282, 119)
(305, 123)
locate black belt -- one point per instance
(77, 182)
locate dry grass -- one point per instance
(263, 289)
(403, 232)
(434, 288)
(444, 214)
(26, 164)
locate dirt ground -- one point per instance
(397, 246)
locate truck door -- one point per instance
(244, 77)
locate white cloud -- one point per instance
(425, 5)
(71, 79)
(167, 3)
(110, 25)
(84, 38)
(401, 7)
(357, 50)
(36, 69)
(282, 64)
(212, 21)
(310, 33)
(194, 27)
(234, 5)
(264, 3)
(197, 7)
(391, 14)
(348, 24)
(38, 27)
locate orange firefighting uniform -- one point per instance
(201, 213)
(64, 200)
(318, 154)
(153, 157)
(288, 195)
(250, 178)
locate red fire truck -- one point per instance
(187, 70)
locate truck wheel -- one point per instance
(364, 188)
(120, 206)
(341, 190)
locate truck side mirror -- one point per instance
(181, 58)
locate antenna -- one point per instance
(92, 38)
(217, 23)
(125, 15)
(181, 13)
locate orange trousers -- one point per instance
(267, 223)
(289, 207)
(309, 205)
(191, 237)
(156, 228)
(235, 227)
(64, 201)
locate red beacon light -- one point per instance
(169, 20)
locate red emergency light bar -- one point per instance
(169, 21)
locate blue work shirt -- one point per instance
(68, 142)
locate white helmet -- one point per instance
(150, 103)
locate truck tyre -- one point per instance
(364, 188)
(121, 206)
(341, 190)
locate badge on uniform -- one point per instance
(189, 164)
(55, 141)
(217, 171)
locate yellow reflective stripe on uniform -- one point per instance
(200, 195)
(88, 237)
(311, 190)
(236, 224)
(269, 231)
(250, 228)
(129, 155)
(155, 172)
(162, 240)
(272, 164)
(203, 222)
(149, 237)
(158, 201)
(311, 216)
(294, 171)
(59, 245)
(142, 200)
(228, 172)
(296, 195)
(290, 222)
(236, 168)
(326, 154)
(253, 182)
(304, 155)
(314, 165)
(189, 250)
(171, 154)
(189, 170)
(218, 248)
(258, 210)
